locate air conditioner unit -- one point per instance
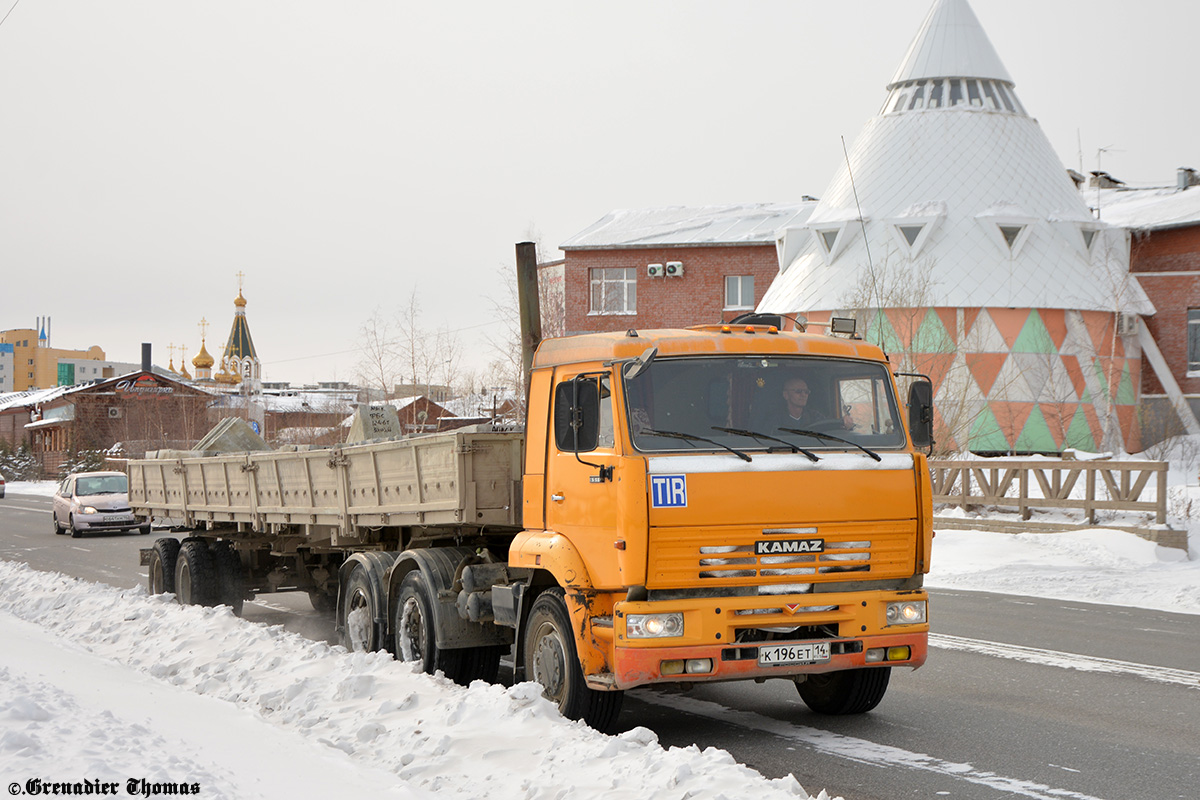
(654, 270)
(675, 269)
(114, 412)
(1127, 324)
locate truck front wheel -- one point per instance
(852, 691)
(552, 660)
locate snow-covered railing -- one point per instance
(1023, 486)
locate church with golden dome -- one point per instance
(239, 368)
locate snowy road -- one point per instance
(1021, 698)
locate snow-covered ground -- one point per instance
(107, 685)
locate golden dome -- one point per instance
(202, 360)
(240, 302)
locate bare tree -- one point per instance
(377, 364)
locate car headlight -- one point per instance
(88, 510)
(654, 626)
(907, 612)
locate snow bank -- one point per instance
(1094, 565)
(224, 683)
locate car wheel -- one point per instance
(57, 528)
(75, 532)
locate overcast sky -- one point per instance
(341, 154)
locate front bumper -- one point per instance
(107, 522)
(716, 629)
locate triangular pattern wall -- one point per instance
(1017, 381)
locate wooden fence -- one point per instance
(1025, 486)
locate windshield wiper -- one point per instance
(687, 437)
(761, 436)
(832, 438)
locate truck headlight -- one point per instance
(654, 626)
(907, 612)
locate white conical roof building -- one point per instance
(956, 218)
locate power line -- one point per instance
(10, 10)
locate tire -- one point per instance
(852, 691)
(161, 576)
(231, 577)
(196, 574)
(144, 530)
(58, 531)
(416, 639)
(75, 533)
(360, 628)
(552, 660)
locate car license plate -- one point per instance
(118, 518)
(785, 654)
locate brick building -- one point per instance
(1164, 256)
(142, 411)
(672, 267)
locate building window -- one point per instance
(614, 290)
(1193, 339)
(739, 291)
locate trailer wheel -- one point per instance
(231, 577)
(552, 660)
(360, 633)
(196, 574)
(322, 602)
(161, 577)
(852, 691)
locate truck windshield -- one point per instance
(780, 404)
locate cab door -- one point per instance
(581, 497)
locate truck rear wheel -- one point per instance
(852, 691)
(416, 638)
(161, 577)
(552, 660)
(195, 574)
(360, 630)
(231, 577)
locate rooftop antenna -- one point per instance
(862, 222)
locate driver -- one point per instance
(799, 415)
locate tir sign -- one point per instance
(776, 547)
(668, 491)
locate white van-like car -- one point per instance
(95, 502)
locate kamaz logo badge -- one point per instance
(779, 547)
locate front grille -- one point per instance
(713, 557)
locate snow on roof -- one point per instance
(32, 397)
(950, 43)
(315, 402)
(970, 193)
(745, 223)
(1146, 209)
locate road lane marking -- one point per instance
(1054, 658)
(43, 510)
(860, 750)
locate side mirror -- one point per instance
(920, 413)
(577, 415)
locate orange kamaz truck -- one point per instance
(664, 517)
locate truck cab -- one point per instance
(695, 528)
